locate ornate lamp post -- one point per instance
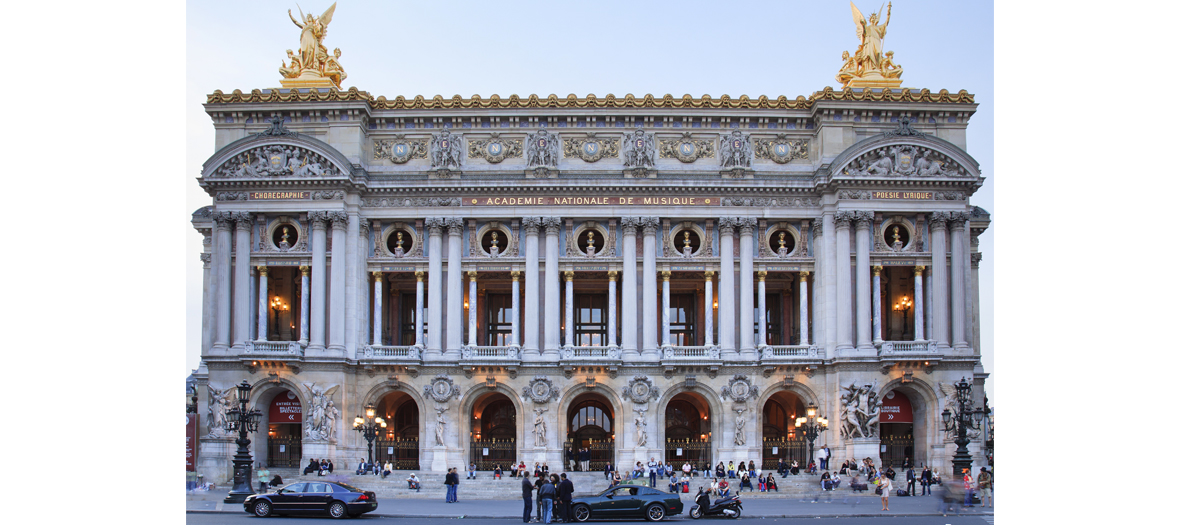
(244, 420)
(811, 426)
(904, 306)
(962, 420)
(369, 426)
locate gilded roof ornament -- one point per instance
(870, 66)
(312, 66)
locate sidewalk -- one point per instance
(838, 504)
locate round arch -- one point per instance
(718, 418)
(212, 166)
(262, 394)
(941, 147)
(405, 455)
(927, 419)
(566, 402)
(467, 404)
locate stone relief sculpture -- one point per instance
(541, 149)
(539, 427)
(736, 150)
(902, 160)
(441, 389)
(331, 414)
(641, 427)
(218, 406)
(440, 425)
(317, 424)
(639, 150)
(640, 390)
(859, 411)
(739, 432)
(277, 161)
(540, 390)
(740, 388)
(446, 150)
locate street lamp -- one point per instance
(904, 306)
(369, 426)
(962, 420)
(244, 420)
(811, 425)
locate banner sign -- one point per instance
(896, 408)
(286, 409)
(590, 200)
(190, 443)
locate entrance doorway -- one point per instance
(591, 426)
(493, 432)
(897, 429)
(779, 436)
(284, 436)
(687, 431)
(399, 443)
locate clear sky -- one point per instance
(524, 47)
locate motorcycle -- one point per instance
(730, 507)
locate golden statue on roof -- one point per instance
(870, 66)
(312, 66)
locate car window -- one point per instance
(647, 491)
(344, 487)
(317, 487)
(294, 487)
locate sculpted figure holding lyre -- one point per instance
(870, 65)
(870, 34)
(313, 66)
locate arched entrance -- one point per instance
(493, 431)
(687, 431)
(399, 443)
(897, 429)
(284, 424)
(592, 426)
(779, 438)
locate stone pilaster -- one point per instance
(336, 309)
(919, 310)
(864, 246)
(569, 309)
(454, 307)
(611, 302)
(244, 224)
(378, 310)
(803, 317)
(938, 278)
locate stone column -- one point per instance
(708, 307)
(339, 264)
(843, 267)
(419, 305)
(434, 287)
(877, 304)
(630, 311)
(472, 308)
(938, 279)
(864, 244)
(569, 309)
(378, 310)
(959, 264)
(611, 302)
(803, 318)
(552, 286)
(319, 280)
(746, 284)
(919, 312)
(208, 300)
(516, 308)
(761, 308)
(244, 223)
(223, 223)
(828, 308)
(976, 257)
(353, 289)
(726, 320)
(650, 311)
(304, 302)
(532, 289)
(454, 317)
(666, 326)
(263, 303)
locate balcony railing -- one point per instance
(692, 353)
(277, 348)
(590, 352)
(907, 347)
(490, 353)
(789, 352)
(409, 353)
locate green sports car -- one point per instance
(628, 501)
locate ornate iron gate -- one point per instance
(284, 452)
(695, 451)
(896, 449)
(403, 453)
(488, 453)
(601, 451)
(787, 449)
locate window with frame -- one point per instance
(409, 306)
(683, 318)
(590, 318)
(499, 319)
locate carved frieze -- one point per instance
(686, 149)
(781, 149)
(277, 160)
(410, 202)
(769, 202)
(495, 149)
(591, 148)
(903, 160)
(399, 149)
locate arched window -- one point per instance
(590, 413)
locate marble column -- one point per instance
(378, 310)
(263, 303)
(611, 302)
(746, 284)
(630, 310)
(938, 278)
(864, 245)
(650, 311)
(829, 279)
(222, 235)
(843, 267)
(708, 307)
(666, 326)
(454, 317)
(569, 309)
(304, 302)
(419, 305)
(243, 224)
(726, 318)
(318, 298)
(877, 304)
(958, 281)
(472, 308)
(532, 289)
(552, 285)
(761, 308)
(353, 288)
(434, 288)
(336, 298)
(208, 300)
(516, 308)
(919, 311)
(803, 318)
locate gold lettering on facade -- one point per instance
(904, 195)
(590, 200)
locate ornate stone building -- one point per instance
(644, 277)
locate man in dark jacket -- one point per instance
(910, 481)
(565, 493)
(526, 493)
(537, 486)
(452, 483)
(927, 479)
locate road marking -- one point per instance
(991, 520)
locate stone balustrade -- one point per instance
(273, 347)
(907, 347)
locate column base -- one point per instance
(630, 354)
(336, 349)
(530, 354)
(219, 348)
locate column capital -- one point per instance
(919, 269)
(552, 225)
(726, 225)
(224, 219)
(262, 270)
(472, 274)
(569, 275)
(958, 219)
(304, 270)
(419, 275)
(454, 225)
(667, 275)
(612, 275)
(938, 220)
(803, 275)
(975, 258)
(762, 275)
(531, 224)
(378, 276)
(206, 259)
(747, 225)
(244, 221)
(877, 271)
(709, 275)
(364, 228)
(817, 228)
(864, 219)
(434, 225)
(319, 219)
(630, 225)
(651, 225)
(516, 275)
(844, 219)
(339, 220)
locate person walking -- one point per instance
(547, 494)
(985, 488)
(885, 487)
(565, 493)
(526, 494)
(827, 457)
(821, 455)
(926, 480)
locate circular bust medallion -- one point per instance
(640, 390)
(540, 390)
(441, 388)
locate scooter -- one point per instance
(730, 506)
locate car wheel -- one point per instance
(262, 508)
(737, 512)
(581, 513)
(695, 513)
(337, 510)
(655, 512)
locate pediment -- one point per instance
(916, 156)
(277, 154)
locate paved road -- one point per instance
(243, 519)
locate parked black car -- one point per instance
(337, 500)
(628, 501)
